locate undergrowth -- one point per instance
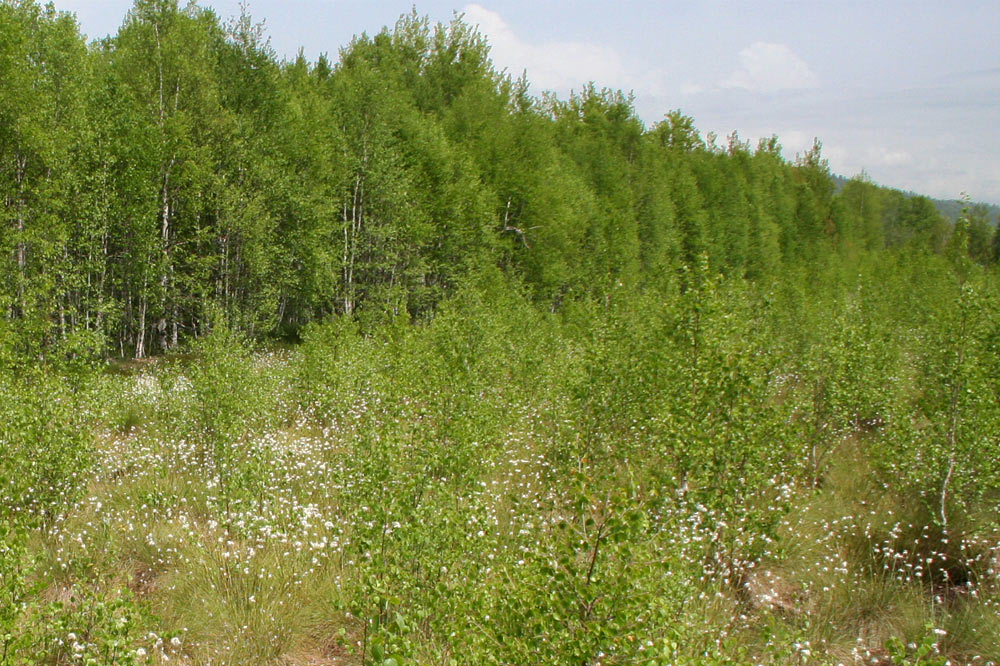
(640, 481)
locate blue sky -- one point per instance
(909, 91)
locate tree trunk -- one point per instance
(140, 341)
(19, 223)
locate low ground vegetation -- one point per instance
(643, 480)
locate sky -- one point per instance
(906, 90)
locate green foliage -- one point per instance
(46, 449)
(233, 399)
(91, 628)
(211, 176)
(948, 448)
(14, 592)
(567, 389)
(924, 652)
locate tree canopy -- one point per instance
(180, 168)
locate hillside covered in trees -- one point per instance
(385, 360)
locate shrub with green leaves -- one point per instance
(45, 446)
(948, 451)
(233, 396)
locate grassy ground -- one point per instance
(430, 496)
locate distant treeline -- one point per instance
(179, 172)
(951, 209)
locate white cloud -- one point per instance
(894, 158)
(925, 139)
(559, 66)
(767, 67)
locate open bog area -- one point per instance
(385, 360)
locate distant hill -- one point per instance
(950, 208)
